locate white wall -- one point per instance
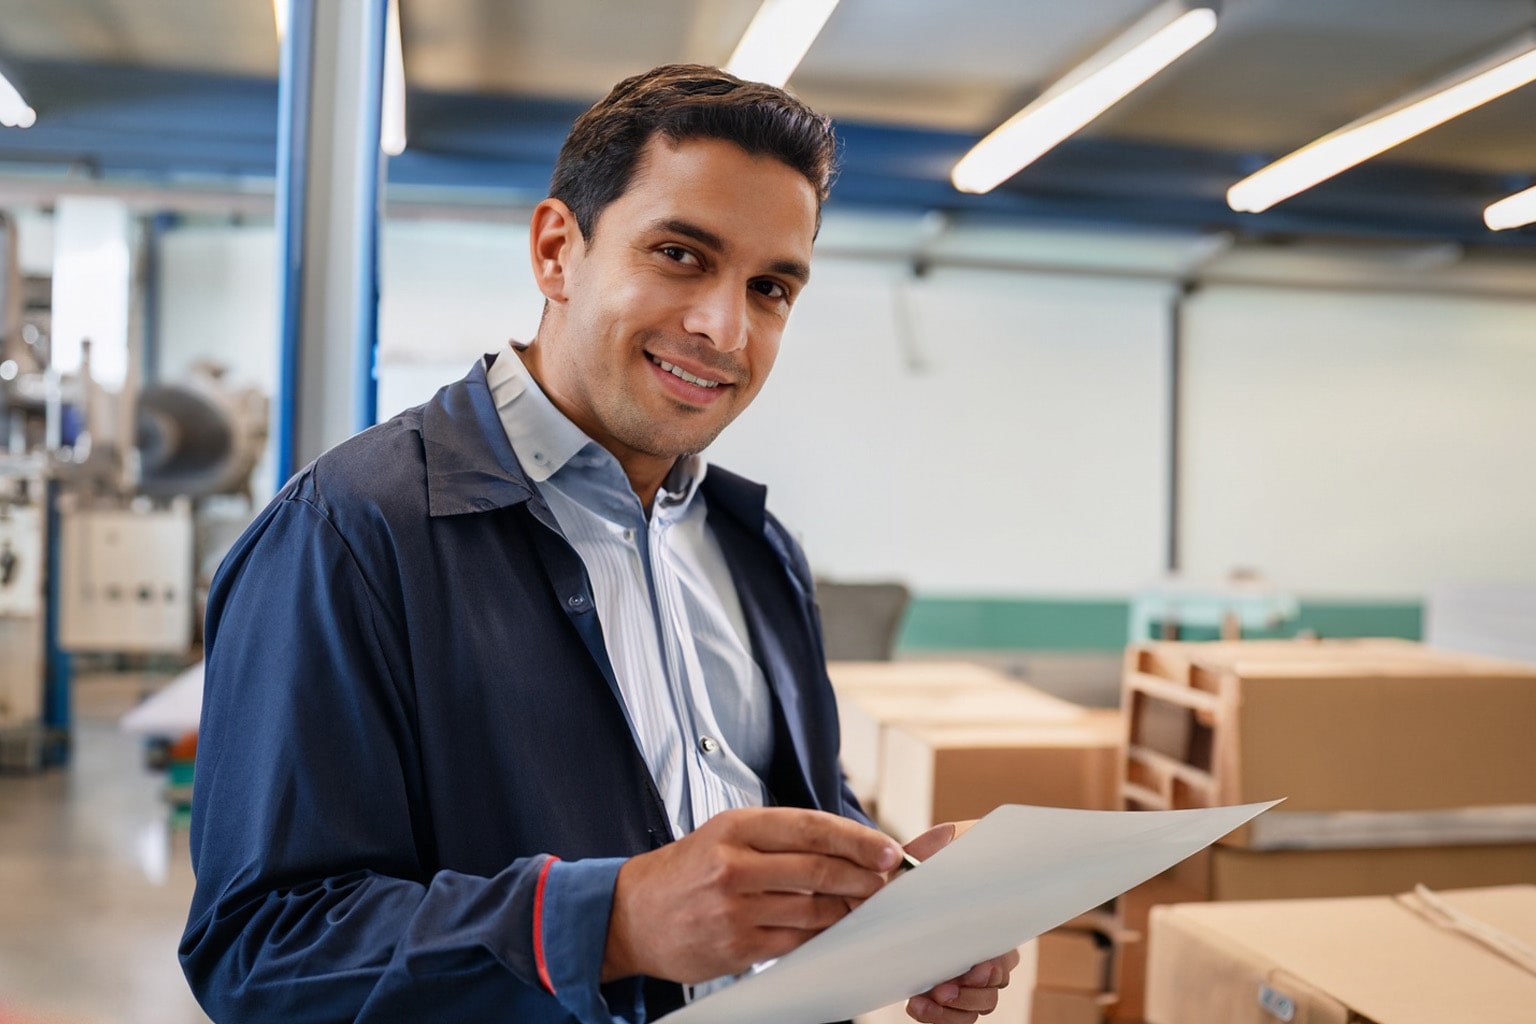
(1024, 454)
(1359, 444)
(1008, 433)
(449, 292)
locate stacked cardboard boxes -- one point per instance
(930, 742)
(1400, 765)
(953, 772)
(875, 696)
(1072, 979)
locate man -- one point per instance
(516, 710)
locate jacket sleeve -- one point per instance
(312, 901)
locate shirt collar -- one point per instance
(548, 443)
(541, 436)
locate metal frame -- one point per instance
(165, 123)
(329, 177)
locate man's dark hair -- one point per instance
(681, 102)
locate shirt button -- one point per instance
(629, 536)
(708, 744)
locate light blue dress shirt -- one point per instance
(697, 701)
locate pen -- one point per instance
(908, 862)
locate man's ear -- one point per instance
(554, 241)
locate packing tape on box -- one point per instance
(1432, 908)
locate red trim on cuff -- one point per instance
(538, 927)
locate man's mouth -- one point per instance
(678, 371)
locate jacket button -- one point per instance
(708, 744)
(576, 600)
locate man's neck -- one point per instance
(646, 472)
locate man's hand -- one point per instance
(960, 1000)
(748, 886)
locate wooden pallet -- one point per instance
(1333, 726)
(1187, 706)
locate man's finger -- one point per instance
(932, 841)
(803, 912)
(959, 997)
(795, 830)
(991, 973)
(814, 873)
(921, 1008)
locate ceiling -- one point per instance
(180, 89)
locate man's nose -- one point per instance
(720, 314)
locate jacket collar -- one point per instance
(742, 499)
(470, 464)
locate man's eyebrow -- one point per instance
(710, 240)
(703, 236)
(792, 268)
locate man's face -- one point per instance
(674, 308)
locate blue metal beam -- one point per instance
(329, 177)
(118, 121)
(295, 83)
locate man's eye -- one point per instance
(772, 289)
(677, 254)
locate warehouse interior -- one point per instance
(1103, 472)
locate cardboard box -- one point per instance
(866, 705)
(1227, 874)
(1128, 964)
(1336, 961)
(1055, 1006)
(1332, 726)
(1072, 959)
(935, 773)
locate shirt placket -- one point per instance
(707, 795)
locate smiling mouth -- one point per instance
(682, 374)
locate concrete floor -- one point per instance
(94, 885)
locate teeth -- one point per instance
(678, 371)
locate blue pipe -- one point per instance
(369, 198)
(294, 90)
(57, 670)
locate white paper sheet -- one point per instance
(171, 713)
(1018, 872)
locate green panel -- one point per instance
(1339, 620)
(993, 623)
(1404, 619)
(989, 623)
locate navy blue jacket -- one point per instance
(415, 780)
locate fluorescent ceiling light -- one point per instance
(1516, 211)
(14, 112)
(777, 39)
(392, 121)
(1166, 33)
(1502, 71)
(392, 115)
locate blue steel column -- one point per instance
(327, 207)
(58, 668)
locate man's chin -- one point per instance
(675, 445)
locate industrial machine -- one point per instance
(100, 496)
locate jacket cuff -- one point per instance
(570, 932)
